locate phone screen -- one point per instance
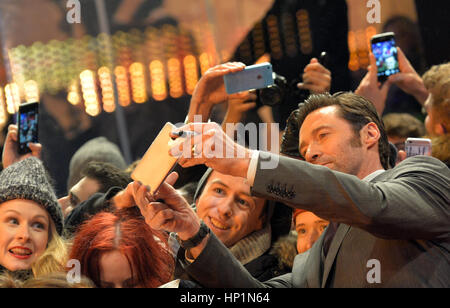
(385, 53)
(28, 126)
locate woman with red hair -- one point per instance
(119, 250)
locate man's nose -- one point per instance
(64, 202)
(312, 153)
(225, 208)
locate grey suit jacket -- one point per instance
(394, 231)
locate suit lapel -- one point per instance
(314, 265)
(332, 252)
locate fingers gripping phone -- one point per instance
(417, 146)
(27, 121)
(385, 52)
(157, 163)
(256, 76)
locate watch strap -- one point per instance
(197, 238)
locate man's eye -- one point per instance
(301, 231)
(322, 135)
(243, 202)
(218, 190)
(73, 202)
(13, 221)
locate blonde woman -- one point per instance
(31, 222)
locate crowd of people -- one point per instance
(342, 195)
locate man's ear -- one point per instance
(370, 134)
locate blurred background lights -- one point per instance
(88, 88)
(12, 95)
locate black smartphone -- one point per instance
(27, 121)
(385, 52)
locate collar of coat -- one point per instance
(252, 246)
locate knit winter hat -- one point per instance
(28, 180)
(98, 149)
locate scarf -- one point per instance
(253, 245)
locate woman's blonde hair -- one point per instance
(54, 257)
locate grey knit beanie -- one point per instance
(98, 149)
(28, 180)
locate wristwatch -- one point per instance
(196, 239)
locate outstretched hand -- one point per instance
(408, 80)
(167, 210)
(210, 89)
(10, 148)
(316, 78)
(371, 89)
(210, 145)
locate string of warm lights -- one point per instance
(104, 75)
(12, 95)
(89, 89)
(190, 66)
(158, 80)
(138, 89)
(288, 30)
(259, 44)
(304, 31)
(123, 86)
(274, 37)
(73, 95)
(359, 48)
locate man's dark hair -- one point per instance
(289, 141)
(355, 109)
(107, 175)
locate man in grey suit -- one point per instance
(390, 228)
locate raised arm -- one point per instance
(210, 90)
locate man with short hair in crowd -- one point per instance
(96, 177)
(99, 183)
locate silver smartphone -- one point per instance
(417, 146)
(256, 76)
